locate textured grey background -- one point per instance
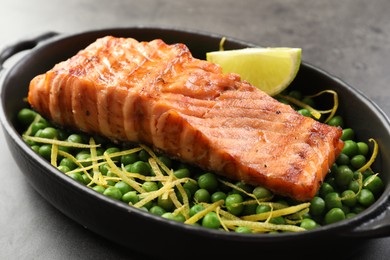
(349, 39)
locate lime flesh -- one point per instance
(269, 69)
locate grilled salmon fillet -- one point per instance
(160, 95)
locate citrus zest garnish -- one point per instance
(373, 156)
(335, 103)
(135, 185)
(57, 142)
(315, 112)
(262, 226)
(277, 212)
(208, 208)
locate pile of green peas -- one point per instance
(344, 193)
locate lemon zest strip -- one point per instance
(135, 185)
(208, 208)
(262, 226)
(57, 142)
(29, 129)
(277, 212)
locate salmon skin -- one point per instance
(160, 95)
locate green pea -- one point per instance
(317, 206)
(45, 151)
(182, 173)
(208, 181)
(165, 203)
(347, 134)
(112, 150)
(354, 186)
(211, 220)
(262, 208)
(75, 138)
(249, 209)
(243, 230)
(149, 186)
(342, 159)
(35, 148)
(130, 197)
(77, 177)
(170, 215)
(123, 187)
(367, 173)
(68, 163)
(308, 224)
(104, 168)
(63, 168)
(358, 161)
(166, 161)
(262, 193)
(86, 178)
(84, 159)
(143, 155)
(363, 148)
(349, 198)
(129, 158)
(195, 209)
(157, 210)
(334, 215)
(49, 133)
(113, 192)
(344, 175)
(111, 183)
(202, 195)
(26, 116)
(36, 127)
(191, 186)
(218, 195)
(350, 215)
(374, 184)
(140, 167)
(336, 121)
(325, 189)
(233, 203)
(358, 209)
(278, 220)
(99, 189)
(304, 112)
(350, 148)
(332, 200)
(366, 197)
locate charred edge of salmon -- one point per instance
(159, 95)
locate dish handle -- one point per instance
(11, 50)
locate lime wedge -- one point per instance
(270, 69)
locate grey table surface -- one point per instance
(349, 39)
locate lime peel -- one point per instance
(373, 156)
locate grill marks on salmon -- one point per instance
(158, 94)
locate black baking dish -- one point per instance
(171, 239)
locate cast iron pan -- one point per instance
(162, 238)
